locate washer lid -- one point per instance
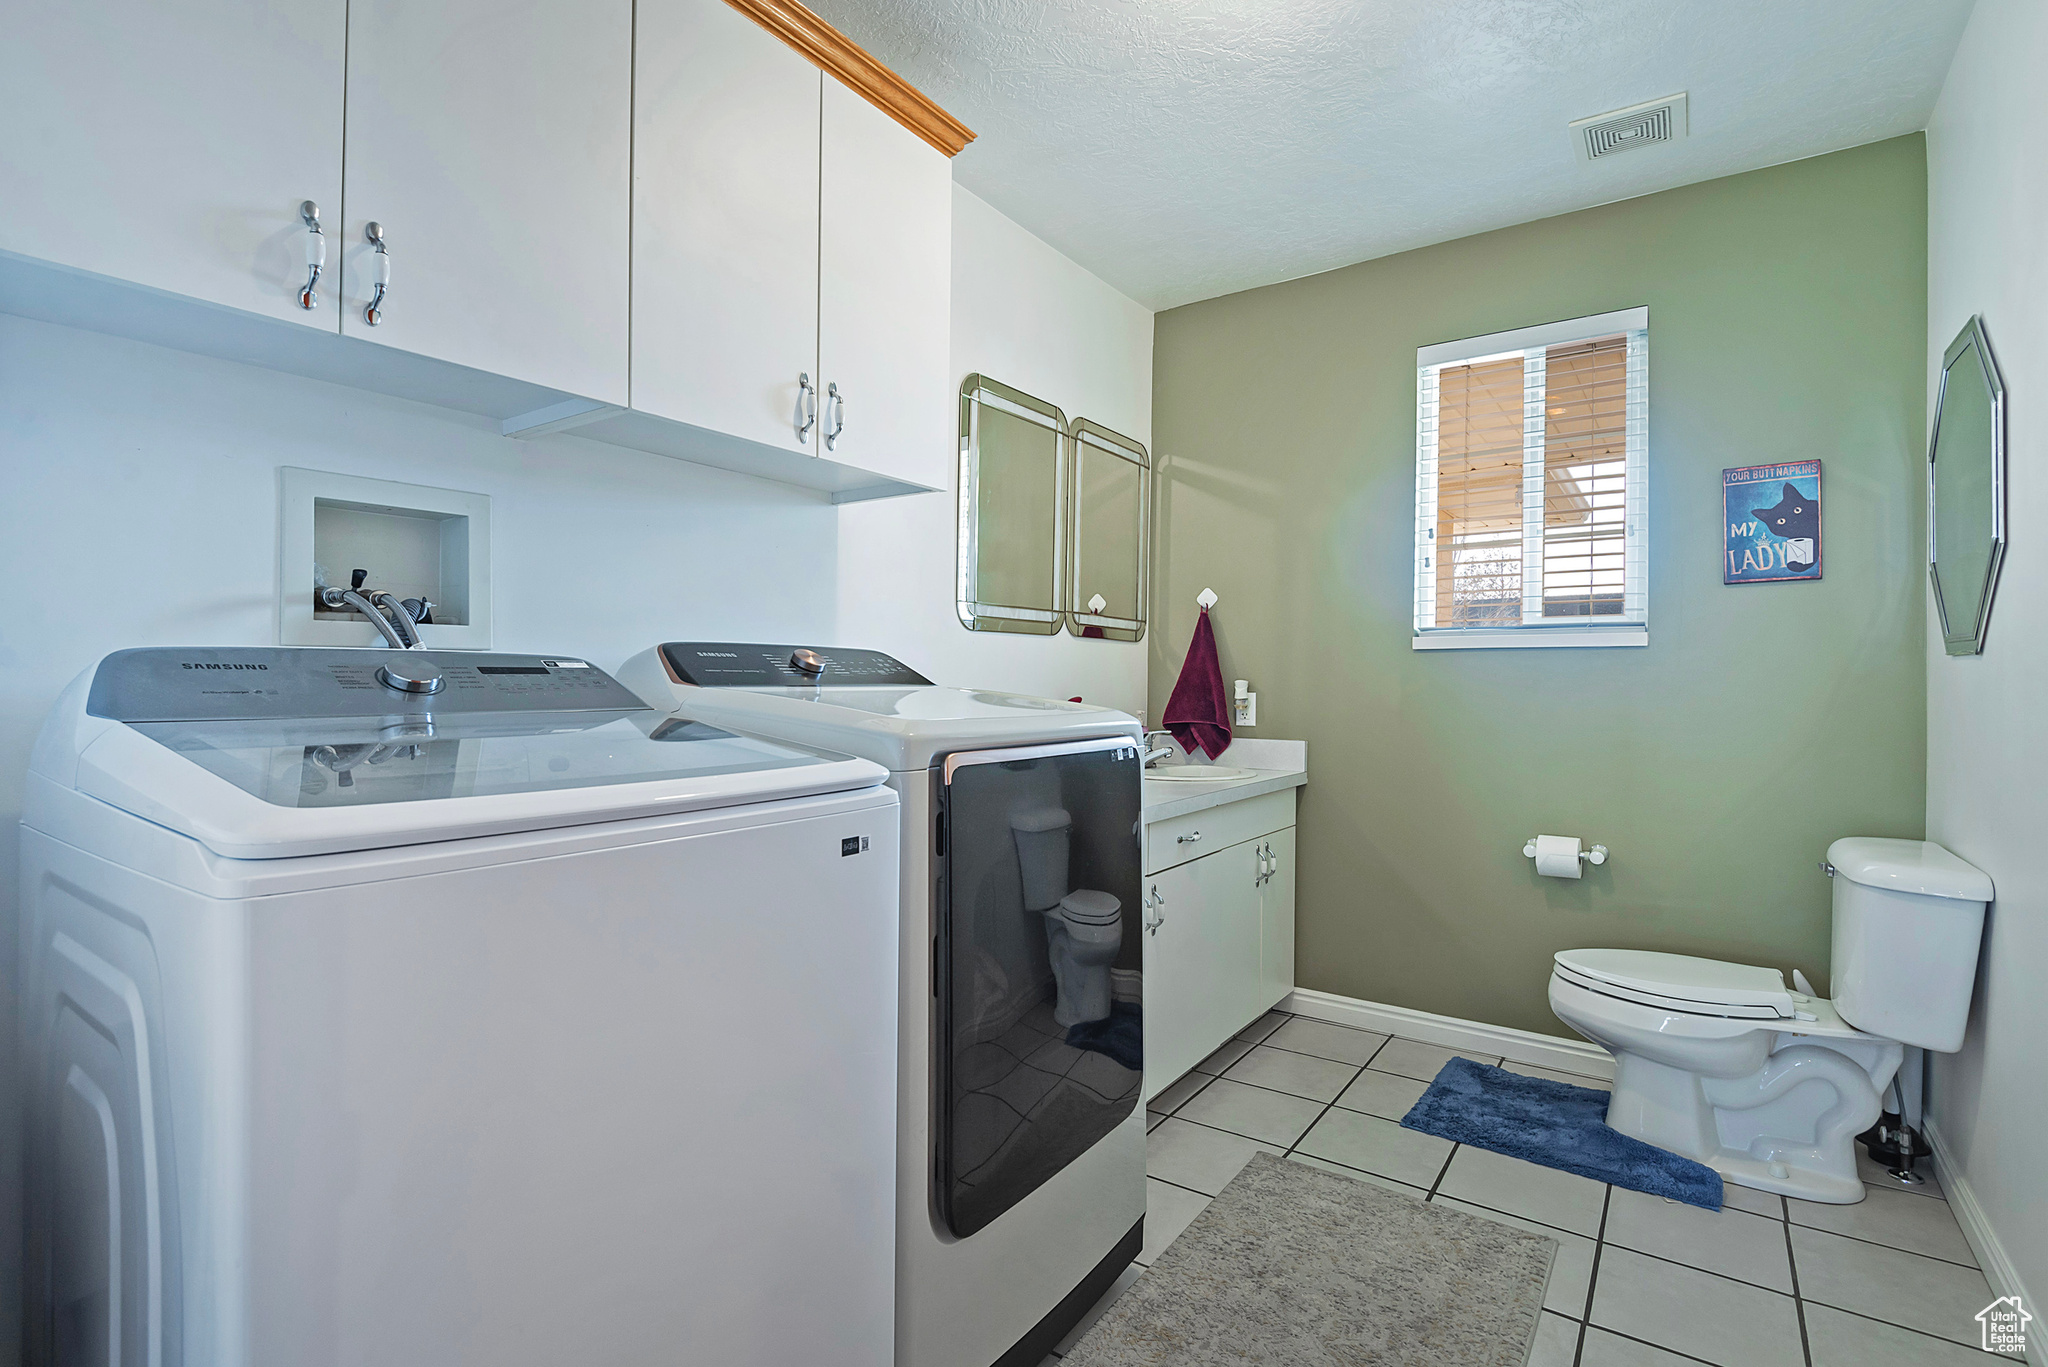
(901, 726)
(1680, 982)
(1091, 907)
(268, 754)
(1909, 866)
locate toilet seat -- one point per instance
(1088, 907)
(1683, 983)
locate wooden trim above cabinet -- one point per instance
(794, 24)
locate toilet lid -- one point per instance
(1680, 982)
(1089, 907)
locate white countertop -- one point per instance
(1274, 765)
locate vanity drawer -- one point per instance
(1181, 838)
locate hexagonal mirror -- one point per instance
(1966, 490)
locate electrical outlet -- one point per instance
(1247, 710)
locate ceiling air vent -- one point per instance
(1606, 135)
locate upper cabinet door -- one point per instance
(490, 140)
(725, 224)
(172, 144)
(885, 288)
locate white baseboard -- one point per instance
(1984, 1241)
(1520, 1046)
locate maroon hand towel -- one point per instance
(1198, 713)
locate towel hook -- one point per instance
(1207, 599)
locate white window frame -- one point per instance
(1532, 343)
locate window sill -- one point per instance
(1538, 638)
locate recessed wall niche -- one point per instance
(414, 542)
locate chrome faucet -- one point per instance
(1166, 751)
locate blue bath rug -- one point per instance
(1120, 1034)
(1557, 1125)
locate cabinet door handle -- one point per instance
(1190, 838)
(1155, 902)
(316, 255)
(380, 273)
(835, 403)
(806, 408)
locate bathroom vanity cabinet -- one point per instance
(1218, 918)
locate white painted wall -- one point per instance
(1025, 315)
(1987, 732)
(138, 506)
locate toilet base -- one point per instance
(1788, 1127)
(1805, 1184)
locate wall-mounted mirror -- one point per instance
(1966, 490)
(1109, 514)
(1013, 452)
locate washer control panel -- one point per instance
(218, 684)
(734, 664)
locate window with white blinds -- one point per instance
(1532, 486)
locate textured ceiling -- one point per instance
(1183, 149)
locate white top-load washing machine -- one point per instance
(448, 1008)
(1021, 1185)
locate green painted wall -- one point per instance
(1787, 322)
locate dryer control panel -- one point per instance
(733, 664)
(221, 684)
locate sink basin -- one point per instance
(1196, 773)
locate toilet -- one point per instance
(1084, 928)
(1766, 1084)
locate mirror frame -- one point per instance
(1972, 336)
(1085, 432)
(974, 614)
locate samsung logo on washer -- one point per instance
(202, 664)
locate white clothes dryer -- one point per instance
(437, 1007)
(1021, 1177)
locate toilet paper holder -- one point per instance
(1594, 854)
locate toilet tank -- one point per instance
(1042, 836)
(1908, 919)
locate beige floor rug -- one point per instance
(1293, 1266)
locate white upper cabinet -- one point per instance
(171, 145)
(491, 141)
(885, 290)
(725, 226)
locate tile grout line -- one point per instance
(1798, 1301)
(1923, 1333)
(1593, 1275)
(1631, 1338)
(1874, 1243)
(1439, 1180)
(1331, 1104)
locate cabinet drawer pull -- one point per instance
(316, 255)
(1190, 838)
(835, 403)
(806, 408)
(380, 273)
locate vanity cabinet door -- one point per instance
(725, 224)
(1276, 919)
(491, 141)
(172, 144)
(885, 217)
(1202, 954)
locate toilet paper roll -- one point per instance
(1557, 856)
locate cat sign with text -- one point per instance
(1772, 513)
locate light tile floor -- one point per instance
(1639, 1281)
